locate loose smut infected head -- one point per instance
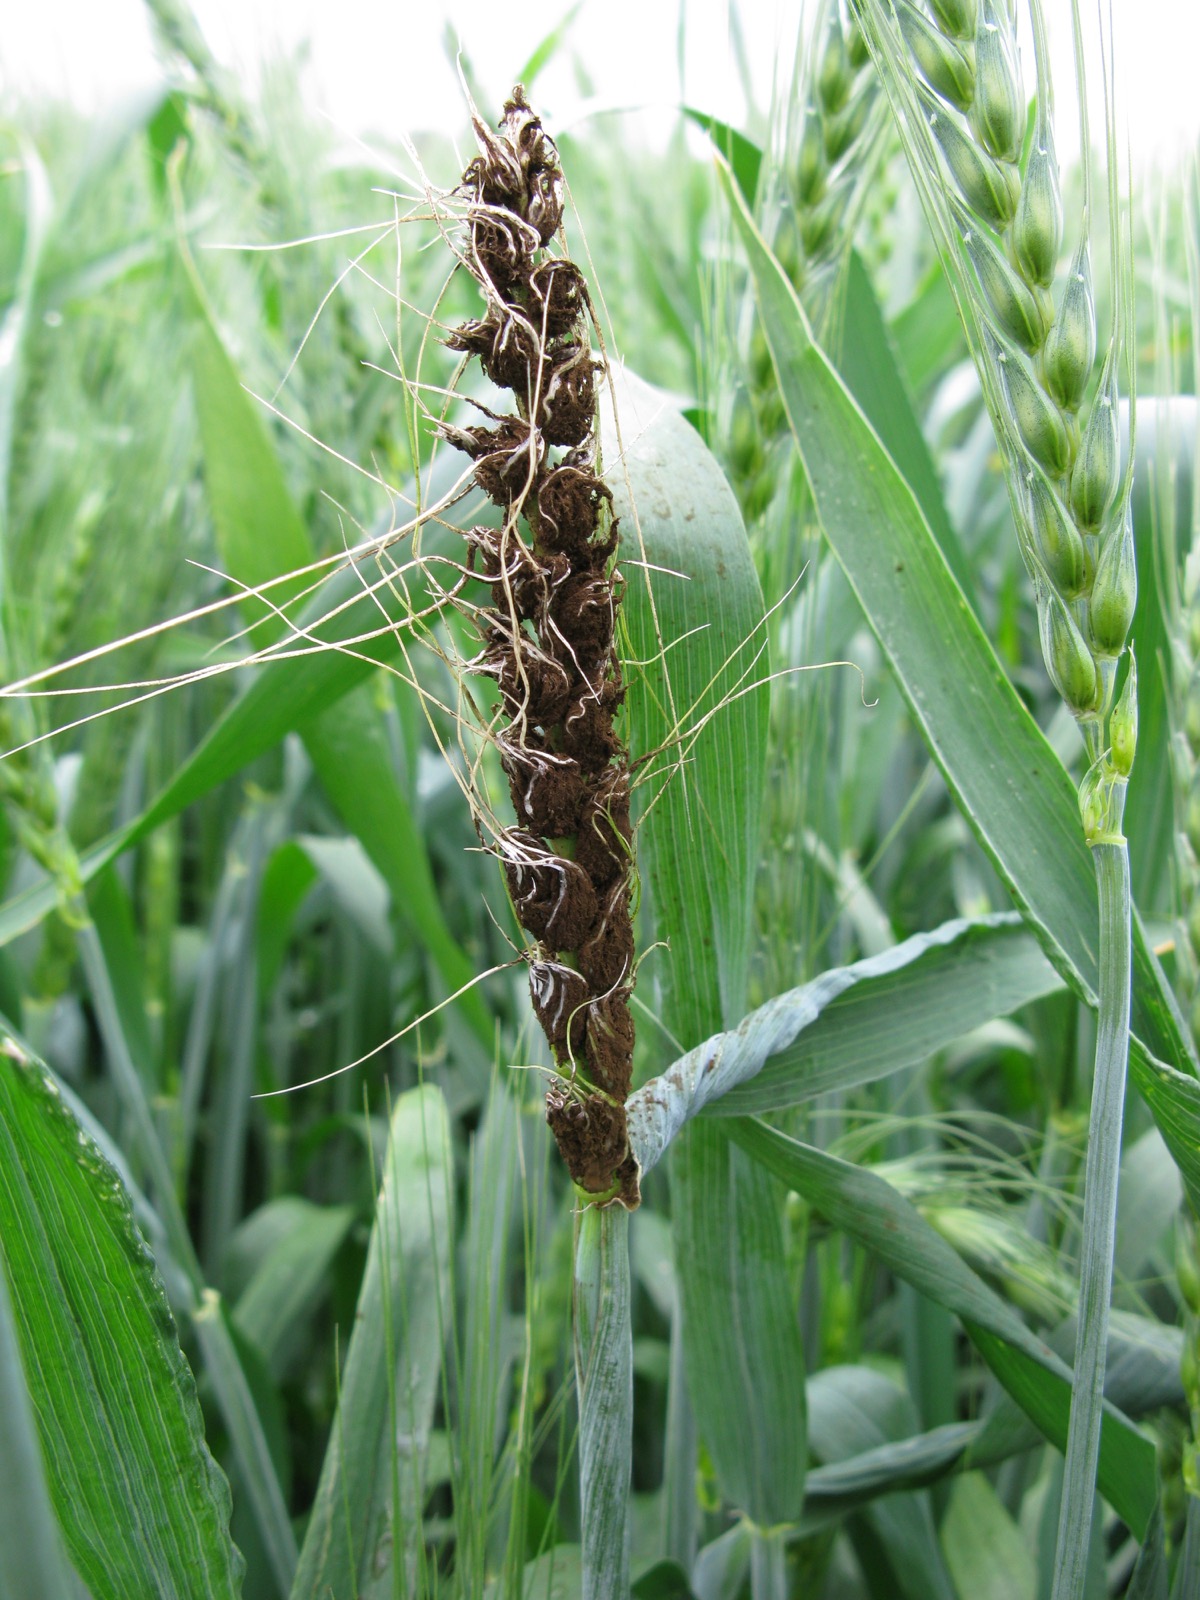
(548, 640)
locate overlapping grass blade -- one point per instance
(745, 1350)
(142, 1505)
(867, 1208)
(985, 1550)
(695, 631)
(32, 1563)
(698, 850)
(257, 1474)
(867, 362)
(262, 538)
(855, 1410)
(291, 1276)
(370, 1496)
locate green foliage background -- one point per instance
(321, 1343)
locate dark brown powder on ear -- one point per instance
(548, 640)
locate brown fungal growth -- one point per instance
(548, 640)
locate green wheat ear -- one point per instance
(953, 78)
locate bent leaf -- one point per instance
(369, 1501)
(850, 1026)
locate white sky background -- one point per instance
(382, 65)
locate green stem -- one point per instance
(1099, 1219)
(604, 1375)
(768, 1565)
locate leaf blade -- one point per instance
(141, 1502)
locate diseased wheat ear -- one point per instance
(548, 641)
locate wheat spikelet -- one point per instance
(954, 77)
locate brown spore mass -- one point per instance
(548, 640)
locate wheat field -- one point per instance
(600, 929)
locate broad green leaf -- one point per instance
(273, 1308)
(862, 1022)
(32, 1563)
(260, 533)
(867, 362)
(258, 1474)
(869, 1210)
(850, 1026)
(557, 1575)
(1007, 781)
(1174, 1101)
(694, 618)
(142, 1505)
(913, 1462)
(986, 1552)
(371, 1495)
(924, 1458)
(604, 1378)
(855, 1410)
(745, 1363)
(349, 750)
(721, 1567)
(743, 155)
(695, 628)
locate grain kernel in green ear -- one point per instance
(820, 224)
(857, 51)
(835, 74)
(1191, 718)
(811, 165)
(1070, 351)
(1098, 465)
(1038, 223)
(1020, 312)
(1037, 419)
(943, 64)
(990, 188)
(1056, 540)
(1068, 660)
(998, 110)
(1114, 591)
(840, 132)
(955, 17)
(1123, 724)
